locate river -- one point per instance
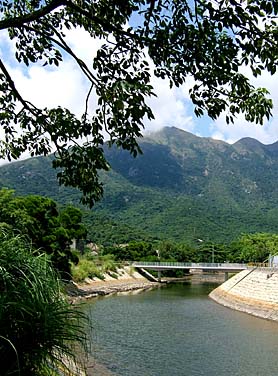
(176, 331)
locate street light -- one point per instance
(158, 254)
(212, 250)
(159, 271)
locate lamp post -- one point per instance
(199, 241)
(212, 250)
(159, 271)
(158, 254)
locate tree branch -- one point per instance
(64, 46)
(107, 26)
(87, 101)
(34, 16)
(148, 17)
(16, 93)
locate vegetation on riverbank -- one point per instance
(248, 248)
(49, 229)
(40, 332)
(90, 266)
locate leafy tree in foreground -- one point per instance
(39, 329)
(207, 40)
(49, 230)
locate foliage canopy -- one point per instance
(207, 40)
(49, 230)
(255, 247)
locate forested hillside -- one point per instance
(182, 188)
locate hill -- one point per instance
(182, 188)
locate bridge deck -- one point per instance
(221, 267)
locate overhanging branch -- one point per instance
(34, 16)
(16, 93)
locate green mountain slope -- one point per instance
(182, 188)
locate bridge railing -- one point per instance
(189, 265)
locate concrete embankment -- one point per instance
(252, 291)
(126, 281)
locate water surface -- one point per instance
(177, 330)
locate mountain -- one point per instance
(182, 188)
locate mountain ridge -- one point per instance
(183, 187)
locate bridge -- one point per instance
(225, 267)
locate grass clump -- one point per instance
(85, 269)
(93, 267)
(39, 329)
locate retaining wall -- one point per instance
(251, 291)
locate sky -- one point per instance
(66, 86)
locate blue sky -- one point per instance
(66, 87)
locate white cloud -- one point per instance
(169, 108)
(52, 86)
(66, 86)
(174, 108)
(267, 133)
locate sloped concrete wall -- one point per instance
(251, 291)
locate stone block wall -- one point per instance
(252, 291)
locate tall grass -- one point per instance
(85, 269)
(39, 330)
(93, 266)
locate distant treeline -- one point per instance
(247, 248)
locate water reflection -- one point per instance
(179, 331)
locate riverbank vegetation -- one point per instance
(40, 332)
(49, 229)
(90, 266)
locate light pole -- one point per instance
(158, 254)
(159, 271)
(212, 250)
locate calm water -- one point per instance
(177, 330)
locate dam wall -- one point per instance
(252, 291)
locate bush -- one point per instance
(108, 263)
(85, 269)
(94, 266)
(39, 329)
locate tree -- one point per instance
(50, 230)
(255, 247)
(208, 40)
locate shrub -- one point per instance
(93, 266)
(39, 329)
(85, 269)
(108, 264)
